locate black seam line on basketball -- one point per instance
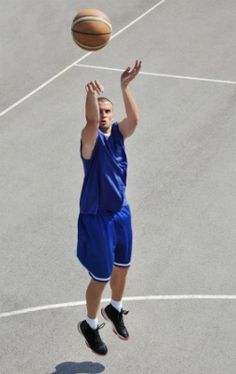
(91, 33)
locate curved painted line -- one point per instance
(128, 298)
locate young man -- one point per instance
(104, 224)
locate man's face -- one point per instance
(106, 116)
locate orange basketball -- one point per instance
(91, 29)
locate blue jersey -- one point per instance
(105, 174)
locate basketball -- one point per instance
(91, 29)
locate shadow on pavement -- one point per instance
(79, 367)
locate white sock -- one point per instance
(93, 323)
(117, 304)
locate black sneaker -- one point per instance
(116, 318)
(92, 337)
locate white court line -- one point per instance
(139, 18)
(159, 74)
(128, 298)
(5, 111)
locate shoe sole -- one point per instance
(105, 316)
(96, 353)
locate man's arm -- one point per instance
(129, 123)
(89, 133)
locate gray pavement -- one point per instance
(181, 187)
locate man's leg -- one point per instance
(96, 255)
(89, 327)
(118, 282)
(114, 312)
(93, 297)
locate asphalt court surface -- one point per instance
(181, 186)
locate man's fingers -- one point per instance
(94, 87)
(136, 67)
(129, 74)
(89, 87)
(99, 87)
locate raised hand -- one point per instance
(129, 74)
(94, 87)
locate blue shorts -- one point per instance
(104, 240)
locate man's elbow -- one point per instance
(135, 120)
(92, 121)
(132, 126)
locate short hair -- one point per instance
(103, 98)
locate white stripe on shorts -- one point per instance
(122, 265)
(99, 279)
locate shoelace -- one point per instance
(120, 316)
(100, 326)
(124, 312)
(96, 333)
